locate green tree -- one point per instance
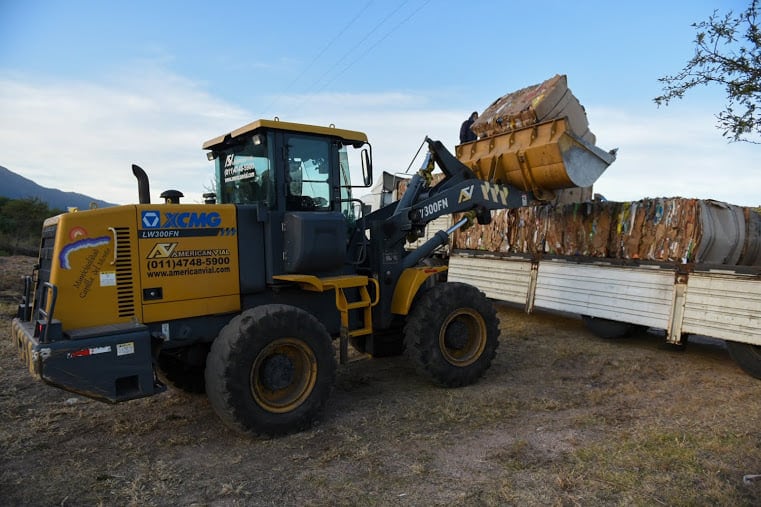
(21, 223)
(727, 53)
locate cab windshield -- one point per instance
(245, 173)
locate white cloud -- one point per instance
(83, 137)
(674, 152)
(395, 123)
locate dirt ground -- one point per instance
(561, 418)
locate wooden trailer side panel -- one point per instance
(723, 305)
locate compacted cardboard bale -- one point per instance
(548, 100)
(674, 230)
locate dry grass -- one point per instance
(11, 271)
(562, 418)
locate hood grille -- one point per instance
(125, 286)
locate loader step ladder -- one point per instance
(344, 306)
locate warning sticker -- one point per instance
(123, 349)
(107, 278)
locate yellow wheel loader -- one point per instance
(253, 295)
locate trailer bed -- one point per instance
(717, 301)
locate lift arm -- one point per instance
(460, 191)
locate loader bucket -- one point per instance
(540, 158)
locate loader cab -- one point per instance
(284, 166)
(292, 187)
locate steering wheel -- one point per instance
(299, 203)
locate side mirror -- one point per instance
(367, 167)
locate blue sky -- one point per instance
(89, 87)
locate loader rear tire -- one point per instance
(747, 357)
(452, 334)
(270, 371)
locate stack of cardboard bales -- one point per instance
(661, 229)
(664, 229)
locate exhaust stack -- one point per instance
(143, 188)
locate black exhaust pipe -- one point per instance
(143, 188)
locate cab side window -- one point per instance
(307, 174)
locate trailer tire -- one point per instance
(182, 375)
(452, 334)
(747, 357)
(389, 343)
(607, 329)
(270, 371)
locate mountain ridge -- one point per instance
(15, 186)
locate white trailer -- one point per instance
(614, 297)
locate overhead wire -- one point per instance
(355, 47)
(377, 42)
(322, 52)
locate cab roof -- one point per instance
(347, 135)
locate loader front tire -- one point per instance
(452, 334)
(270, 371)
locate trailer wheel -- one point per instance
(388, 343)
(270, 371)
(182, 375)
(747, 357)
(607, 329)
(452, 334)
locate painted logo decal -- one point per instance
(158, 224)
(63, 257)
(151, 219)
(466, 194)
(162, 251)
(184, 220)
(192, 220)
(494, 193)
(77, 232)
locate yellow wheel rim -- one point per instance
(462, 338)
(283, 375)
